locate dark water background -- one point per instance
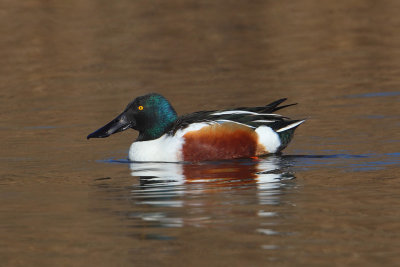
(67, 67)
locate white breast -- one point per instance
(164, 149)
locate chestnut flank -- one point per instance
(220, 141)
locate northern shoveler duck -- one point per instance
(204, 135)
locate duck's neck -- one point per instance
(158, 126)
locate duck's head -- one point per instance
(152, 115)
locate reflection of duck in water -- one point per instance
(205, 135)
(243, 172)
(199, 190)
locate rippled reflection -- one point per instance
(206, 192)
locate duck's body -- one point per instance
(204, 135)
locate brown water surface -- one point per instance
(68, 67)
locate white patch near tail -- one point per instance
(290, 126)
(268, 138)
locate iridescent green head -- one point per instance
(152, 115)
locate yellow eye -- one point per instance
(140, 107)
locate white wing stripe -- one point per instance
(234, 112)
(263, 121)
(224, 121)
(229, 112)
(290, 126)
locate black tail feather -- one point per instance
(276, 103)
(285, 106)
(274, 106)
